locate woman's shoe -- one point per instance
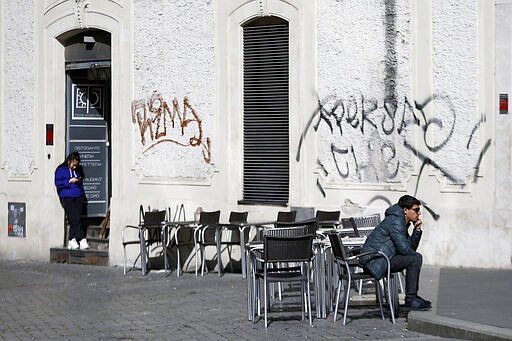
(72, 244)
(83, 244)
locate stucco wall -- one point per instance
(383, 127)
(364, 71)
(174, 70)
(366, 99)
(455, 140)
(377, 134)
(18, 130)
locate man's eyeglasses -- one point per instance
(416, 209)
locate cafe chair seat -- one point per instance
(234, 234)
(207, 234)
(327, 221)
(292, 250)
(150, 224)
(346, 274)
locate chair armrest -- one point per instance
(256, 253)
(201, 229)
(233, 227)
(380, 253)
(354, 250)
(184, 226)
(123, 231)
(198, 229)
(323, 233)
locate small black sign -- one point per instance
(88, 102)
(16, 219)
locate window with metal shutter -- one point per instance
(266, 112)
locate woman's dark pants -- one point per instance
(73, 208)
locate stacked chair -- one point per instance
(327, 220)
(206, 234)
(238, 235)
(150, 224)
(363, 225)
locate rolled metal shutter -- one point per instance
(266, 114)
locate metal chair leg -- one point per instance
(347, 298)
(265, 299)
(337, 299)
(124, 260)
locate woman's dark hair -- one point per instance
(408, 201)
(72, 156)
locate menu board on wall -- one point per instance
(16, 219)
(93, 158)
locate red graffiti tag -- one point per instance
(156, 119)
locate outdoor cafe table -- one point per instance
(142, 238)
(165, 232)
(164, 229)
(242, 226)
(321, 261)
(166, 226)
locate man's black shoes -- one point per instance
(417, 303)
(424, 300)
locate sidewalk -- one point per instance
(469, 304)
(45, 301)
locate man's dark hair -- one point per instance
(408, 201)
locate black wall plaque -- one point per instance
(16, 219)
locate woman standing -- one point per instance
(69, 183)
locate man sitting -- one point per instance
(392, 238)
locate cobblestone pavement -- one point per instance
(42, 301)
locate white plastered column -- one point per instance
(229, 17)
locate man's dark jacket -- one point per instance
(392, 238)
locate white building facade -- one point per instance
(382, 98)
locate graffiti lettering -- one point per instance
(431, 124)
(477, 125)
(347, 111)
(480, 157)
(396, 117)
(153, 118)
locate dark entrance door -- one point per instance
(88, 130)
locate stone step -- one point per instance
(84, 257)
(93, 231)
(97, 243)
(97, 254)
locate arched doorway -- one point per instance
(88, 114)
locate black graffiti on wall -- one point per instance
(366, 116)
(427, 208)
(390, 57)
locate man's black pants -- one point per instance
(412, 265)
(73, 208)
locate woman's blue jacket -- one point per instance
(64, 188)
